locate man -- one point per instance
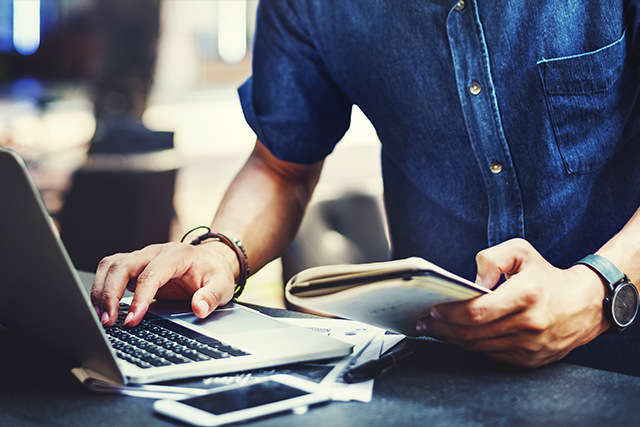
(508, 130)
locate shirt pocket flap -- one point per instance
(585, 73)
(589, 98)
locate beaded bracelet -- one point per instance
(234, 244)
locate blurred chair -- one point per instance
(348, 229)
(122, 198)
(119, 203)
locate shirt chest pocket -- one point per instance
(589, 97)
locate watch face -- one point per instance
(625, 304)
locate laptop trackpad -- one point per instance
(232, 321)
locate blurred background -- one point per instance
(127, 115)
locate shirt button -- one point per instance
(475, 88)
(496, 167)
(460, 6)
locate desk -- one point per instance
(440, 385)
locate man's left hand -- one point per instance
(535, 317)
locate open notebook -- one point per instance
(43, 299)
(391, 295)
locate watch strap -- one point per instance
(604, 268)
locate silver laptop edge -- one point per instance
(42, 297)
(38, 281)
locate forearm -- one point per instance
(265, 204)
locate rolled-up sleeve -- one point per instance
(291, 101)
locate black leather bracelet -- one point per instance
(234, 244)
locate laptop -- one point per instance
(42, 298)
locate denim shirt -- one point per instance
(498, 119)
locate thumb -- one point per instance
(506, 258)
(205, 300)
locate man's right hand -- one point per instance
(171, 271)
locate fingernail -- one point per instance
(105, 318)
(128, 318)
(97, 309)
(434, 314)
(421, 327)
(204, 307)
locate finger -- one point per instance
(515, 347)
(514, 296)
(121, 270)
(507, 258)
(105, 295)
(173, 264)
(98, 281)
(465, 333)
(216, 291)
(163, 265)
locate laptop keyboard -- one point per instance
(160, 342)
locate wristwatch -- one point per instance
(621, 296)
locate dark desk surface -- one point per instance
(440, 385)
